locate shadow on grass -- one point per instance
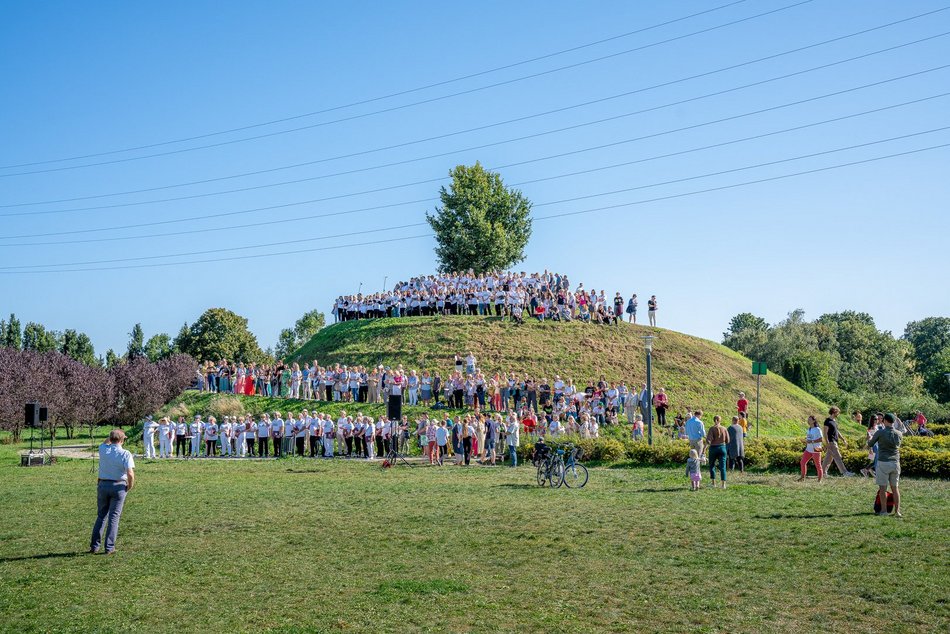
(43, 556)
(511, 485)
(805, 516)
(666, 490)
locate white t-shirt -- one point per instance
(150, 427)
(263, 429)
(814, 439)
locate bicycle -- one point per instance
(551, 470)
(574, 475)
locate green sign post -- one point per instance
(759, 369)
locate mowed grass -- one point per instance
(343, 546)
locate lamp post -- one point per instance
(648, 346)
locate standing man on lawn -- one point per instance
(696, 432)
(888, 472)
(116, 479)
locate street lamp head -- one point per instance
(648, 342)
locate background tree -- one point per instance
(747, 334)
(11, 335)
(220, 334)
(177, 373)
(136, 348)
(139, 390)
(78, 346)
(112, 359)
(930, 347)
(481, 224)
(37, 337)
(290, 339)
(159, 347)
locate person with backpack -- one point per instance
(888, 472)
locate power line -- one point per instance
(487, 126)
(427, 200)
(475, 129)
(417, 159)
(549, 217)
(575, 199)
(412, 90)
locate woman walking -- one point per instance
(813, 449)
(718, 438)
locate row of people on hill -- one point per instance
(515, 295)
(466, 386)
(355, 436)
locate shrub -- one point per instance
(608, 450)
(225, 405)
(925, 463)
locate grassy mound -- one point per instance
(695, 372)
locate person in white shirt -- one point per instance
(116, 479)
(148, 436)
(196, 428)
(211, 437)
(166, 437)
(263, 437)
(315, 430)
(327, 437)
(225, 431)
(239, 433)
(300, 432)
(369, 433)
(513, 439)
(277, 434)
(288, 437)
(181, 438)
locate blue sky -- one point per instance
(89, 78)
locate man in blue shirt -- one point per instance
(116, 479)
(696, 432)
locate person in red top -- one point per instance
(742, 404)
(920, 419)
(661, 403)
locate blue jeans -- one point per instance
(513, 452)
(110, 497)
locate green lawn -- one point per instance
(297, 545)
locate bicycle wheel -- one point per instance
(557, 474)
(575, 476)
(542, 475)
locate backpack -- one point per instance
(877, 502)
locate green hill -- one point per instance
(695, 372)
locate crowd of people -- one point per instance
(319, 435)
(501, 293)
(465, 385)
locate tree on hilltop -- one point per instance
(481, 224)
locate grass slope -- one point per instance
(304, 546)
(695, 372)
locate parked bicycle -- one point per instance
(574, 474)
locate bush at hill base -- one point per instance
(919, 456)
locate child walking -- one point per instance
(692, 470)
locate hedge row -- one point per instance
(918, 458)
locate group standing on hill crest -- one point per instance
(500, 293)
